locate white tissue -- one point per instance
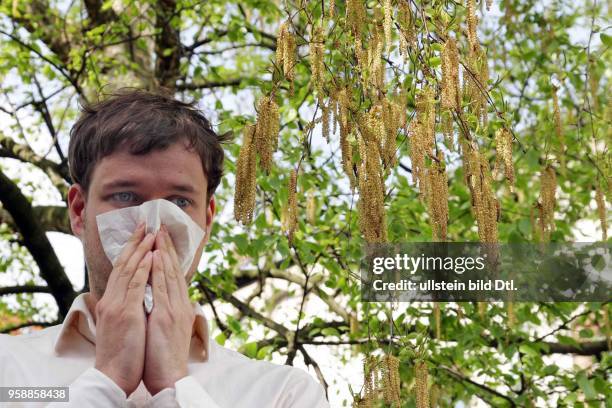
(117, 226)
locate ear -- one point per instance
(76, 209)
(210, 215)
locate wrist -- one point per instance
(116, 378)
(164, 383)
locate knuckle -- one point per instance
(159, 285)
(124, 272)
(135, 284)
(171, 274)
(120, 263)
(105, 311)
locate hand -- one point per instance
(170, 323)
(120, 318)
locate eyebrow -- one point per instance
(185, 188)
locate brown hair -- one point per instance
(143, 121)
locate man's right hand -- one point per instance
(120, 317)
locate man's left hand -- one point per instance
(170, 323)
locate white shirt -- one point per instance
(64, 355)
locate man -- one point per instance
(131, 148)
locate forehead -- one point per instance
(175, 168)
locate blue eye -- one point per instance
(184, 200)
(124, 194)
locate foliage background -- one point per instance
(300, 296)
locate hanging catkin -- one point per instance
(503, 148)
(422, 392)
(422, 136)
(317, 67)
(355, 16)
(393, 118)
(291, 212)
(267, 129)
(510, 314)
(391, 380)
(434, 395)
(601, 211)
(388, 10)
(246, 183)
(437, 198)
(311, 207)
(286, 51)
(325, 120)
(472, 22)
(370, 381)
(475, 79)
(371, 204)
(485, 205)
(344, 105)
(450, 75)
(450, 98)
(548, 200)
(437, 320)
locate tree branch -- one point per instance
(57, 173)
(168, 48)
(212, 84)
(52, 218)
(14, 290)
(36, 242)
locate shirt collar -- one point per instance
(79, 325)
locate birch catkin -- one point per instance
(437, 198)
(601, 211)
(355, 16)
(503, 142)
(393, 118)
(388, 11)
(371, 204)
(370, 380)
(286, 51)
(246, 183)
(291, 211)
(472, 22)
(422, 393)
(391, 380)
(485, 205)
(317, 66)
(438, 320)
(450, 75)
(548, 200)
(267, 129)
(343, 99)
(422, 136)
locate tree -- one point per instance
(378, 121)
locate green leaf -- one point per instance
(586, 386)
(434, 62)
(606, 39)
(330, 331)
(221, 338)
(250, 349)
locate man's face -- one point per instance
(124, 180)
